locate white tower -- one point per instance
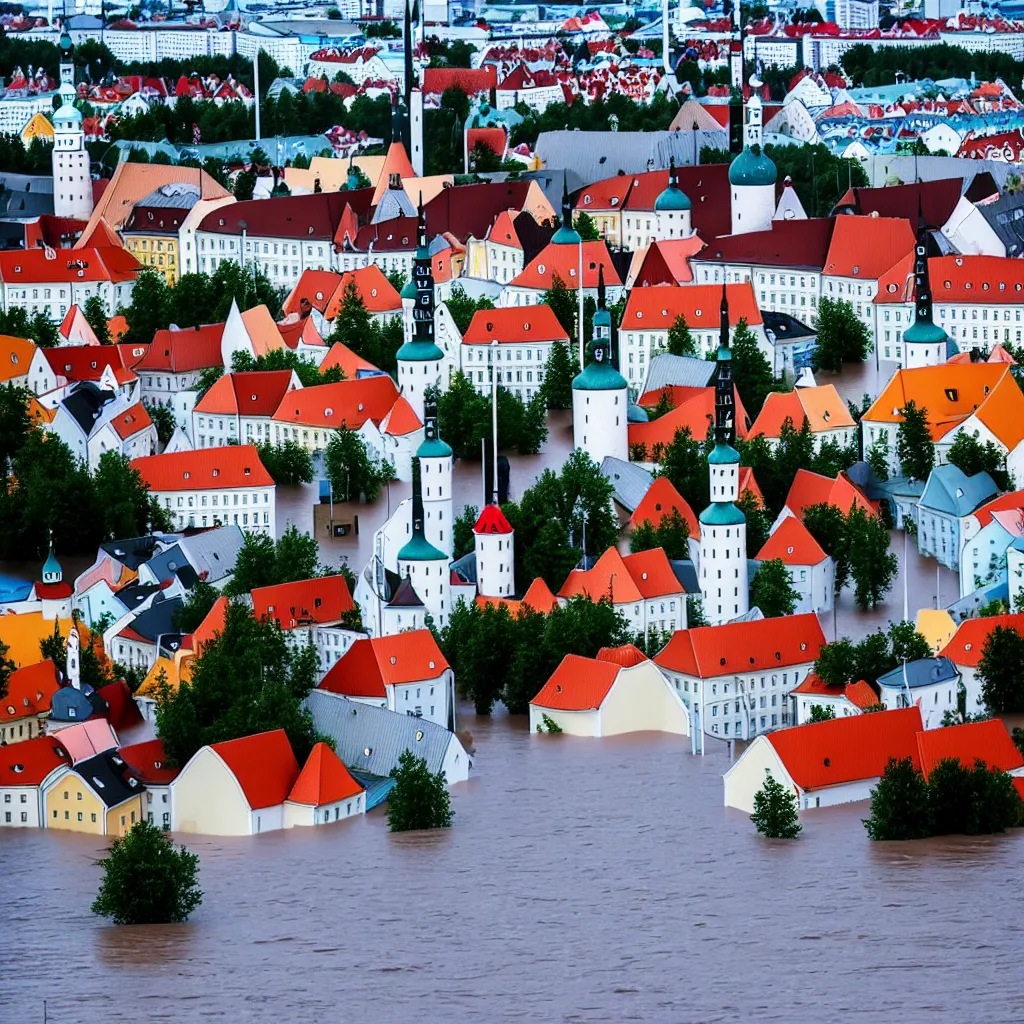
(673, 209)
(600, 398)
(416, 130)
(419, 360)
(494, 543)
(435, 458)
(52, 591)
(74, 658)
(752, 174)
(424, 565)
(724, 586)
(72, 183)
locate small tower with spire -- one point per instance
(600, 396)
(425, 566)
(419, 359)
(566, 233)
(413, 101)
(72, 182)
(724, 583)
(435, 459)
(752, 174)
(673, 209)
(494, 545)
(73, 658)
(925, 343)
(52, 590)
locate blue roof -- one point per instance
(951, 491)
(752, 167)
(923, 672)
(419, 549)
(723, 455)
(566, 236)
(433, 448)
(672, 199)
(419, 351)
(599, 377)
(722, 513)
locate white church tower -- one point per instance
(494, 544)
(752, 174)
(73, 669)
(600, 396)
(425, 566)
(724, 587)
(435, 458)
(72, 183)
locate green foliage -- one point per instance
(549, 726)
(877, 457)
(971, 801)
(146, 880)
(821, 713)
(914, 443)
(999, 670)
(680, 340)
(125, 506)
(685, 462)
(672, 534)
(969, 455)
(842, 336)
(96, 315)
(586, 228)
(462, 531)
(245, 184)
(751, 371)
(196, 606)
(820, 178)
(93, 670)
(772, 589)
(288, 463)
(462, 307)
(844, 661)
(247, 680)
(455, 53)
(285, 359)
(164, 421)
(15, 423)
(419, 799)
(353, 470)
(899, 803)
(262, 562)
(775, 810)
(559, 371)
(695, 612)
(207, 378)
(759, 522)
(868, 66)
(6, 668)
(564, 305)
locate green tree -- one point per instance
(196, 606)
(564, 305)
(463, 308)
(559, 371)
(775, 810)
(96, 315)
(999, 670)
(685, 463)
(969, 455)
(899, 803)
(751, 371)
(245, 183)
(164, 421)
(463, 537)
(150, 308)
(263, 563)
(914, 448)
(6, 668)
(586, 228)
(827, 525)
(353, 470)
(672, 534)
(680, 340)
(759, 522)
(146, 880)
(288, 463)
(841, 336)
(873, 566)
(877, 457)
(15, 423)
(353, 326)
(93, 670)
(772, 589)
(126, 507)
(820, 713)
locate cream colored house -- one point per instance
(619, 691)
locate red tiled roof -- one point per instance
(131, 421)
(321, 600)
(696, 412)
(658, 502)
(211, 626)
(29, 762)
(87, 362)
(236, 465)
(149, 762)
(264, 766)
(493, 139)
(607, 577)
(29, 691)
(503, 231)
(656, 309)
(368, 666)
(844, 750)
(967, 643)
(744, 647)
(935, 199)
(563, 260)
(31, 266)
(861, 695)
(866, 247)
(538, 598)
(470, 211)
(972, 279)
(194, 348)
(578, 684)
(325, 291)
(256, 393)
(401, 420)
(625, 656)
(788, 243)
(468, 80)
(514, 324)
(122, 711)
(821, 406)
(749, 483)
(350, 363)
(652, 573)
(323, 779)
(492, 520)
(312, 217)
(349, 403)
(814, 489)
(988, 741)
(792, 542)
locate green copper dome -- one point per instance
(599, 377)
(672, 200)
(723, 455)
(433, 448)
(408, 290)
(752, 167)
(419, 352)
(924, 332)
(721, 513)
(566, 235)
(419, 549)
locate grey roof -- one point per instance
(71, 705)
(786, 329)
(24, 197)
(175, 196)
(629, 483)
(863, 476)
(900, 487)
(923, 672)
(157, 619)
(685, 371)
(84, 404)
(109, 777)
(686, 573)
(466, 567)
(132, 551)
(394, 203)
(135, 594)
(950, 490)
(213, 553)
(405, 596)
(967, 607)
(357, 728)
(1006, 218)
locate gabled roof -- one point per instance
(656, 309)
(740, 648)
(503, 231)
(350, 363)
(470, 211)
(149, 762)
(256, 393)
(349, 403)
(988, 741)
(563, 261)
(792, 542)
(842, 750)
(538, 598)
(86, 739)
(660, 499)
(859, 694)
(814, 489)
(578, 684)
(325, 291)
(369, 666)
(695, 409)
(193, 348)
(821, 406)
(29, 691)
(132, 421)
(109, 777)
(968, 642)
(607, 577)
(651, 572)
(520, 325)
(32, 266)
(401, 420)
(866, 247)
(323, 779)
(16, 356)
(625, 656)
(122, 712)
(236, 465)
(800, 244)
(311, 217)
(321, 600)
(936, 200)
(950, 490)
(264, 766)
(29, 762)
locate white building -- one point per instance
(929, 684)
(752, 174)
(26, 770)
(435, 459)
(494, 544)
(72, 182)
(811, 571)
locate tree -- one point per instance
(685, 463)
(288, 463)
(680, 341)
(14, 421)
(759, 522)
(150, 308)
(96, 315)
(93, 667)
(196, 606)
(353, 470)
(827, 525)
(775, 810)
(671, 534)
(872, 565)
(751, 371)
(586, 228)
(164, 421)
(999, 670)
(844, 661)
(914, 448)
(559, 371)
(419, 799)
(263, 563)
(463, 537)
(245, 184)
(899, 803)
(126, 507)
(772, 589)
(563, 304)
(841, 336)
(146, 880)
(6, 668)
(970, 456)
(877, 457)
(353, 325)
(821, 713)
(463, 308)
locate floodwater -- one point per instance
(582, 881)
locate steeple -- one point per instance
(417, 548)
(922, 284)
(673, 199)
(925, 343)
(566, 234)
(52, 572)
(601, 343)
(725, 419)
(423, 276)
(397, 119)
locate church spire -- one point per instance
(922, 284)
(725, 418)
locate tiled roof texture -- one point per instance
(492, 520)
(792, 542)
(514, 324)
(563, 261)
(323, 779)
(255, 393)
(370, 665)
(935, 199)
(264, 766)
(348, 403)
(625, 656)
(968, 642)
(696, 411)
(29, 690)
(578, 684)
(866, 247)
(659, 501)
(204, 469)
(789, 243)
(29, 762)
(814, 489)
(350, 363)
(325, 291)
(821, 406)
(988, 741)
(194, 348)
(31, 266)
(740, 648)
(844, 750)
(312, 217)
(973, 279)
(149, 762)
(131, 421)
(656, 309)
(320, 600)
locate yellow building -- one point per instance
(99, 796)
(151, 231)
(38, 127)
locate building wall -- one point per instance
(746, 776)
(599, 423)
(426, 698)
(157, 804)
(121, 818)
(520, 370)
(572, 723)
(934, 701)
(805, 701)
(305, 814)
(641, 700)
(157, 251)
(19, 807)
(25, 728)
(66, 799)
(206, 799)
(252, 509)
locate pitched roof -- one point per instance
(264, 766)
(656, 309)
(993, 280)
(968, 641)
(311, 217)
(33, 266)
(538, 598)
(503, 231)
(320, 600)
(182, 351)
(368, 666)
(695, 411)
(256, 393)
(325, 291)
(652, 573)
(236, 465)
(469, 211)
(149, 762)
(131, 421)
(814, 489)
(15, 356)
(563, 261)
(625, 656)
(607, 577)
(350, 363)
(988, 741)
(514, 324)
(401, 419)
(29, 762)
(792, 542)
(842, 750)
(86, 739)
(859, 693)
(468, 80)
(744, 647)
(323, 779)
(950, 490)
(122, 712)
(935, 200)
(578, 684)
(492, 520)
(866, 247)
(821, 406)
(29, 691)
(349, 403)
(661, 498)
(788, 243)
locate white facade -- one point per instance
(495, 564)
(934, 700)
(251, 508)
(519, 365)
(600, 425)
(431, 579)
(415, 376)
(436, 483)
(283, 260)
(779, 289)
(54, 297)
(815, 585)
(296, 814)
